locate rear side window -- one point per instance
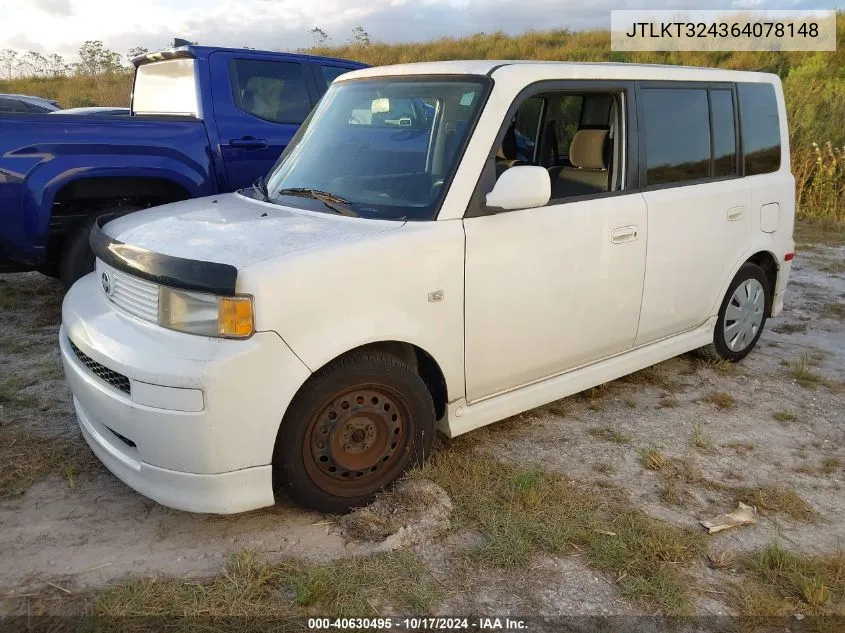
(724, 133)
(166, 87)
(677, 135)
(273, 91)
(12, 105)
(330, 73)
(760, 128)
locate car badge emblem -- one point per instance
(105, 278)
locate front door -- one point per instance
(259, 104)
(553, 288)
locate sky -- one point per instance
(60, 26)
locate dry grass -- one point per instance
(668, 402)
(701, 438)
(783, 416)
(652, 458)
(723, 401)
(811, 233)
(774, 500)
(721, 558)
(784, 583)
(523, 512)
(26, 459)
(790, 328)
(834, 311)
(609, 434)
(830, 465)
(358, 586)
(803, 372)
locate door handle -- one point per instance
(624, 234)
(735, 213)
(248, 143)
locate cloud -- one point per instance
(53, 7)
(285, 24)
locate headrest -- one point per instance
(508, 150)
(587, 149)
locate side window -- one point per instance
(677, 134)
(568, 118)
(760, 128)
(273, 91)
(330, 73)
(527, 128)
(724, 133)
(553, 122)
(12, 105)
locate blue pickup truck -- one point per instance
(204, 121)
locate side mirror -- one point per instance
(521, 187)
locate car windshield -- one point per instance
(384, 147)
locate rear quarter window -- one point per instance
(760, 128)
(166, 87)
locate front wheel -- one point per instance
(742, 315)
(353, 428)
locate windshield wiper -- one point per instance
(260, 186)
(332, 201)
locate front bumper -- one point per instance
(191, 421)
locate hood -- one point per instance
(236, 230)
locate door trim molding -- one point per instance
(462, 416)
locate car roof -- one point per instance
(562, 70)
(27, 98)
(202, 52)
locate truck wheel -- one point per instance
(354, 427)
(77, 259)
(742, 316)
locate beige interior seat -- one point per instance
(588, 153)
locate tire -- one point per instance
(738, 329)
(368, 415)
(77, 259)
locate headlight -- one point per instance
(205, 314)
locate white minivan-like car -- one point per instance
(441, 246)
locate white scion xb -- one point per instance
(441, 246)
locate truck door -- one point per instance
(259, 103)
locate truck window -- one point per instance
(166, 87)
(12, 105)
(760, 128)
(273, 91)
(330, 73)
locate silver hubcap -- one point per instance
(744, 315)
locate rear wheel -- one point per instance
(742, 315)
(353, 428)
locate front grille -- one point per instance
(135, 295)
(118, 381)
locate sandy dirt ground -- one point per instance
(762, 423)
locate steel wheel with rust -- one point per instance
(354, 427)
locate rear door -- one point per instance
(698, 206)
(259, 103)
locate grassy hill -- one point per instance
(814, 83)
